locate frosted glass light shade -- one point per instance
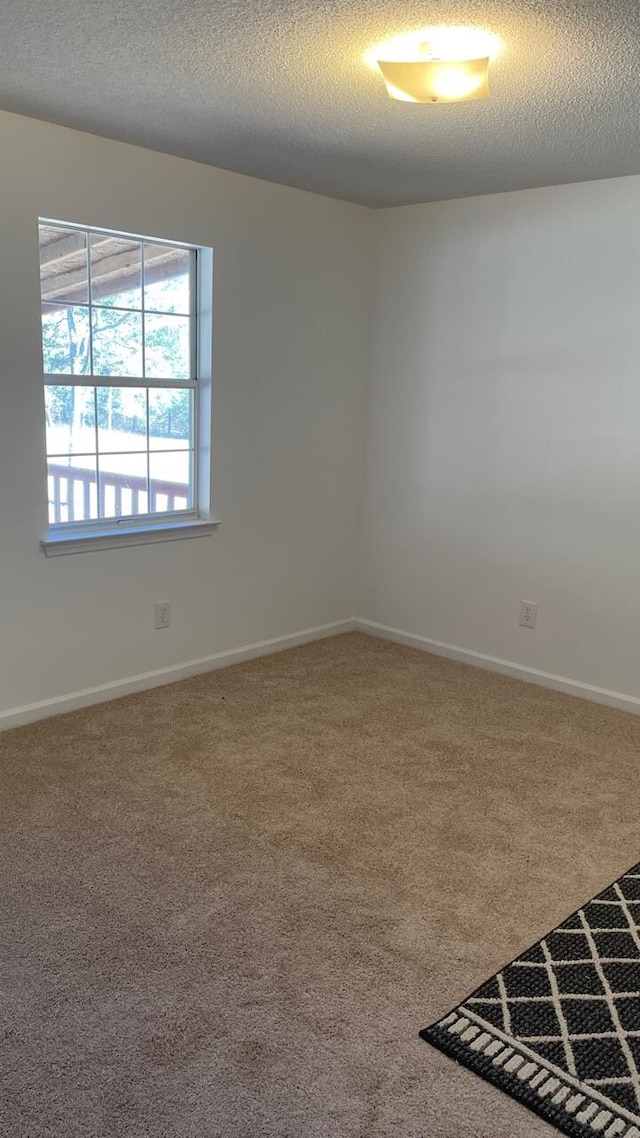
(436, 80)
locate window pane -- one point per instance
(119, 308)
(116, 265)
(170, 418)
(117, 343)
(63, 265)
(70, 420)
(65, 340)
(122, 418)
(123, 485)
(167, 347)
(170, 480)
(72, 489)
(167, 283)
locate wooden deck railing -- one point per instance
(73, 495)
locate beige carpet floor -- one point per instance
(228, 906)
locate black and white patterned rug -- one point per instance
(559, 1028)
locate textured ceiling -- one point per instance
(279, 89)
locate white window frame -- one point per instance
(197, 521)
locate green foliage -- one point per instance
(117, 348)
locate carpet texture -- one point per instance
(229, 905)
(559, 1027)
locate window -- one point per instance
(125, 410)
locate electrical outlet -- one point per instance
(528, 614)
(162, 614)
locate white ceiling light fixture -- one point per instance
(440, 65)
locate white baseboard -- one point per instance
(58, 705)
(30, 712)
(504, 667)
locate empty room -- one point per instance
(319, 552)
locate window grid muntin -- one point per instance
(56, 379)
(111, 307)
(190, 448)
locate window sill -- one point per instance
(58, 545)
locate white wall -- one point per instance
(291, 309)
(502, 424)
(503, 455)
